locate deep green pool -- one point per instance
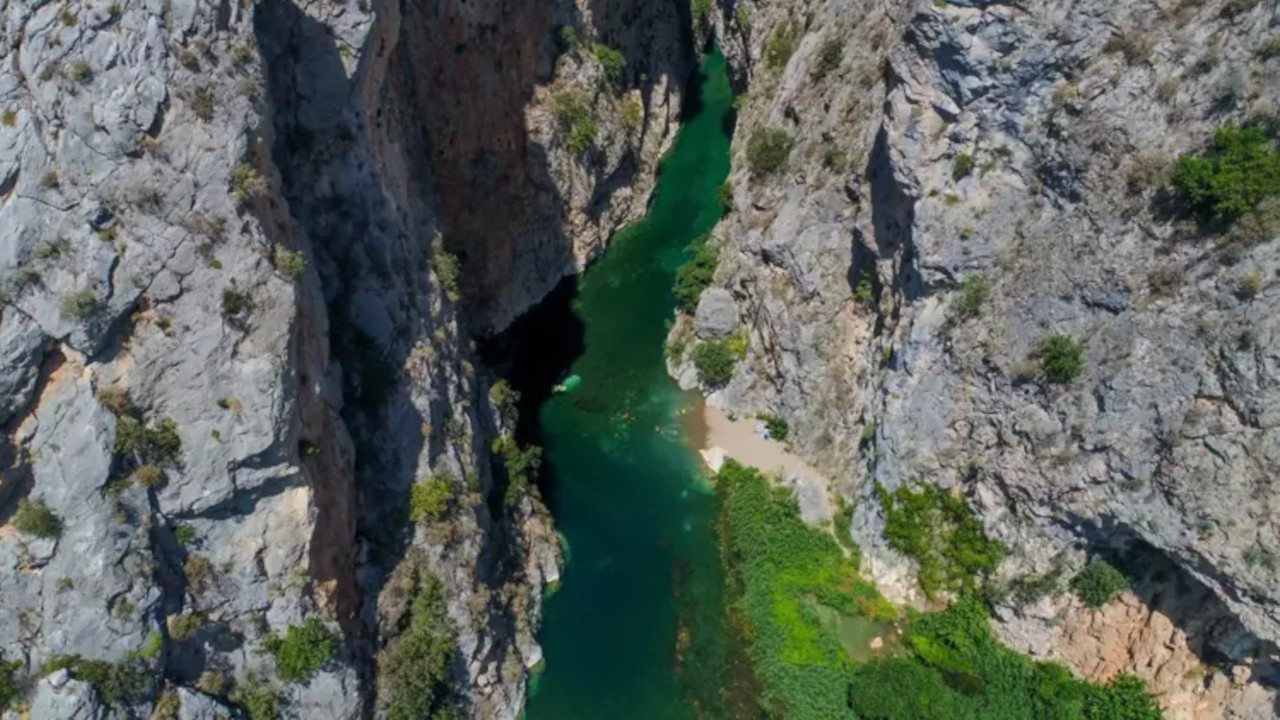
(637, 629)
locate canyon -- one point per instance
(254, 457)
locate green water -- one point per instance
(637, 629)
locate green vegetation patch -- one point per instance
(938, 531)
(34, 517)
(302, 650)
(613, 62)
(429, 498)
(767, 151)
(785, 572)
(778, 427)
(576, 118)
(1061, 358)
(972, 296)
(414, 668)
(1098, 583)
(521, 464)
(1240, 170)
(958, 671)
(714, 360)
(695, 275)
(781, 44)
(127, 682)
(9, 688)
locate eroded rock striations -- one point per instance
(245, 247)
(962, 180)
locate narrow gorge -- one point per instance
(356, 357)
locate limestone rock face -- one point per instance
(716, 316)
(245, 249)
(932, 143)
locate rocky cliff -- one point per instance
(249, 459)
(960, 181)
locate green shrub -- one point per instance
(1061, 358)
(1241, 169)
(447, 269)
(414, 667)
(198, 571)
(291, 263)
(243, 54)
(973, 294)
(78, 305)
(506, 400)
(1135, 46)
(777, 425)
(80, 71)
(701, 12)
(829, 57)
(864, 291)
(34, 518)
(576, 119)
(9, 688)
(1270, 48)
(632, 114)
(202, 103)
(1165, 280)
(1098, 583)
(781, 44)
(149, 476)
(613, 62)
(724, 196)
(184, 534)
(521, 464)
(694, 276)
(714, 361)
(429, 498)
(938, 531)
(155, 443)
(963, 167)
(183, 626)
(259, 700)
(236, 304)
(123, 683)
(245, 182)
(302, 650)
(567, 38)
(767, 151)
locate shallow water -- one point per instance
(637, 628)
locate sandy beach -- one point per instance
(724, 437)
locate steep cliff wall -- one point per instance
(247, 449)
(933, 143)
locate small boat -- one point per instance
(569, 383)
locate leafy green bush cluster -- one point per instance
(1241, 169)
(789, 577)
(714, 360)
(958, 671)
(8, 684)
(506, 400)
(767, 151)
(78, 305)
(414, 668)
(973, 294)
(34, 518)
(156, 443)
(695, 275)
(940, 533)
(963, 167)
(576, 119)
(521, 464)
(302, 650)
(447, 269)
(829, 57)
(613, 62)
(1098, 583)
(778, 427)
(1061, 358)
(780, 44)
(126, 682)
(429, 498)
